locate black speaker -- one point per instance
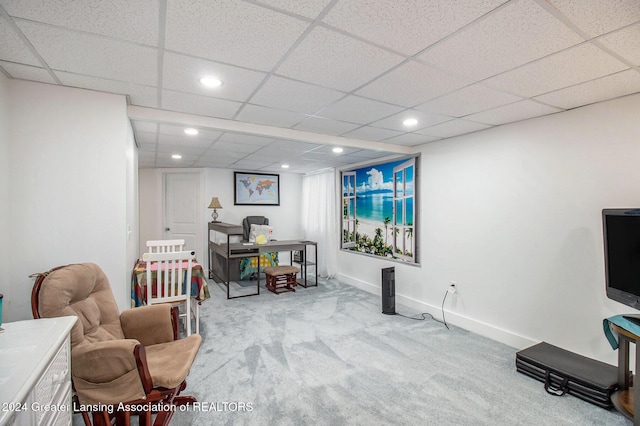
(389, 291)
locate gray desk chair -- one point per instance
(251, 220)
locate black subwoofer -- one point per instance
(389, 291)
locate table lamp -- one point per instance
(215, 204)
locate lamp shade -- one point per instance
(215, 203)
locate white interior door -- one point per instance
(182, 209)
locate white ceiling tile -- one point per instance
(513, 112)
(184, 141)
(146, 139)
(309, 8)
(144, 126)
(169, 163)
(468, 100)
(518, 33)
(454, 128)
(240, 138)
(274, 168)
(359, 110)
(178, 130)
(328, 149)
(81, 53)
(27, 72)
(368, 153)
(270, 117)
(318, 156)
(217, 155)
(300, 162)
(133, 20)
(146, 155)
(289, 95)
(12, 48)
(351, 159)
(331, 59)
(609, 87)
(372, 133)
(572, 66)
(114, 47)
(139, 94)
(625, 43)
(208, 162)
(412, 83)
(179, 148)
(596, 17)
(251, 164)
(293, 146)
(229, 31)
(411, 139)
(146, 147)
(201, 105)
(182, 73)
(325, 126)
(270, 155)
(425, 119)
(400, 24)
(235, 147)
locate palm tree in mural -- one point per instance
(387, 221)
(378, 245)
(410, 234)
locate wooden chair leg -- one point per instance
(101, 418)
(145, 418)
(86, 418)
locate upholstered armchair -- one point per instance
(133, 358)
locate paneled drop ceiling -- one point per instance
(301, 77)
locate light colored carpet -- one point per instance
(328, 356)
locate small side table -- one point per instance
(625, 399)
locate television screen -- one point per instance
(622, 255)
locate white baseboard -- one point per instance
(496, 333)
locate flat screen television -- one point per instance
(622, 255)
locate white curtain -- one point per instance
(319, 219)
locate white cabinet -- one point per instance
(35, 372)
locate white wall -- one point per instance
(150, 198)
(513, 214)
(285, 218)
(70, 163)
(5, 228)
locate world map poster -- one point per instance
(256, 189)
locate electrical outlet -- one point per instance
(452, 287)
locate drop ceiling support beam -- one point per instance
(180, 119)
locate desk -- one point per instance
(199, 288)
(230, 251)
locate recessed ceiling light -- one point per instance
(210, 81)
(285, 166)
(191, 131)
(176, 156)
(337, 150)
(409, 122)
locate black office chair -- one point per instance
(251, 220)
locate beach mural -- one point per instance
(378, 209)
